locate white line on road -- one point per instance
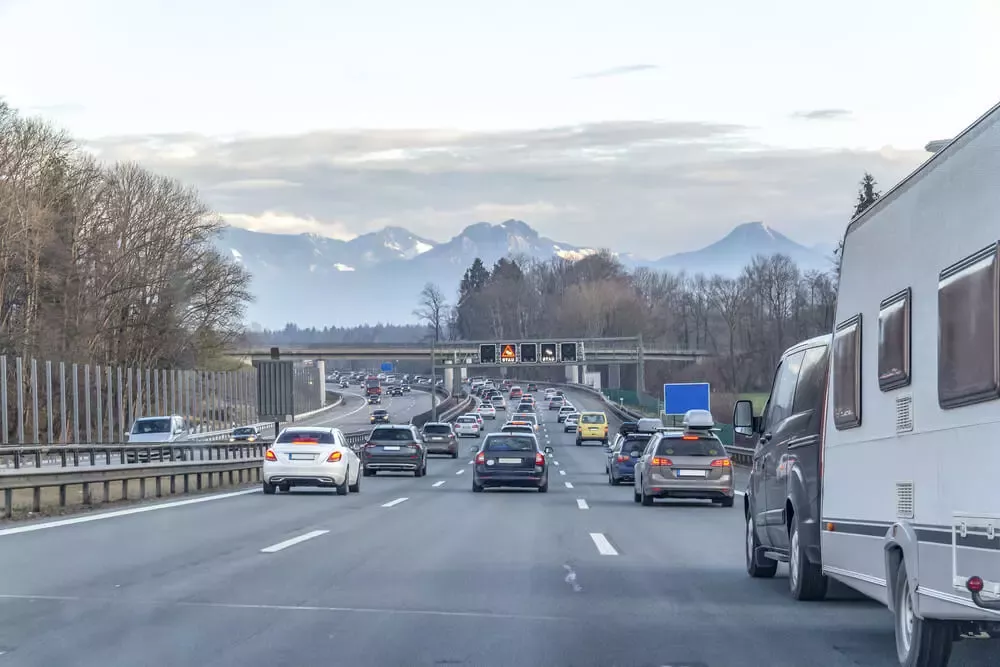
(292, 542)
(117, 513)
(556, 462)
(603, 546)
(562, 472)
(435, 484)
(582, 504)
(393, 503)
(740, 493)
(568, 485)
(460, 471)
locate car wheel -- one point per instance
(919, 641)
(805, 579)
(343, 488)
(727, 502)
(476, 486)
(368, 472)
(286, 488)
(611, 479)
(544, 486)
(356, 487)
(419, 472)
(635, 495)
(454, 455)
(758, 566)
(269, 489)
(646, 499)
(579, 443)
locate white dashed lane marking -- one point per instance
(582, 504)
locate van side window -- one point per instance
(894, 341)
(968, 339)
(847, 374)
(812, 380)
(783, 392)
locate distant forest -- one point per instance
(378, 333)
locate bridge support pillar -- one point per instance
(321, 367)
(449, 379)
(573, 374)
(615, 376)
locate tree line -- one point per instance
(107, 263)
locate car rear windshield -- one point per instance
(439, 429)
(509, 443)
(151, 426)
(523, 417)
(632, 443)
(467, 420)
(556, 399)
(682, 447)
(392, 434)
(517, 428)
(593, 419)
(244, 431)
(321, 437)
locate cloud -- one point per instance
(617, 71)
(822, 114)
(650, 188)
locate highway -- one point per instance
(421, 571)
(353, 413)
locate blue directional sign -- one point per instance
(680, 397)
(386, 366)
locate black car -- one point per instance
(440, 438)
(245, 434)
(532, 387)
(380, 417)
(405, 388)
(511, 459)
(395, 391)
(394, 449)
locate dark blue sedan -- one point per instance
(621, 460)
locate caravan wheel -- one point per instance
(919, 642)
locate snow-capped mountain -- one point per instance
(317, 281)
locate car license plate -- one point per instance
(301, 457)
(691, 473)
(391, 448)
(509, 460)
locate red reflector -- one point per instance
(721, 463)
(974, 584)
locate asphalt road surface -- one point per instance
(421, 571)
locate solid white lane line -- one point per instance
(582, 504)
(117, 513)
(393, 503)
(292, 542)
(438, 483)
(603, 546)
(568, 485)
(562, 472)
(460, 471)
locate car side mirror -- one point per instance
(744, 421)
(607, 449)
(549, 450)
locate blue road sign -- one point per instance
(681, 397)
(386, 366)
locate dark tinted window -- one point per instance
(783, 391)
(514, 428)
(509, 443)
(151, 426)
(682, 447)
(635, 443)
(847, 374)
(812, 380)
(593, 419)
(391, 434)
(894, 341)
(437, 429)
(321, 437)
(968, 300)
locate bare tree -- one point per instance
(433, 310)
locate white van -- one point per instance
(157, 429)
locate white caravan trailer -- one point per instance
(910, 501)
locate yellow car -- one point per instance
(592, 426)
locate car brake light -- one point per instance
(721, 463)
(270, 456)
(689, 437)
(305, 441)
(622, 459)
(481, 457)
(661, 461)
(539, 459)
(334, 457)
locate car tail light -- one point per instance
(305, 441)
(689, 437)
(622, 459)
(334, 457)
(539, 459)
(661, 461)
(270, 455)
(481, 457)
(370, 444)
(721, 463)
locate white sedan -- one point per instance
(466, 425)
(487, 411)
(311, 456)
(478, 417)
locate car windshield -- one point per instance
(391, 434)
(320, 437)
(592, 419)
(152, 426)
(245, 430)
(437, 429)
(380, 413)
(678, 446)
(509, 443)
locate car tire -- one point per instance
(727, 502)
(476, 486)
(611, 479)
(342, 489)
(454, 455)
(930, 641)
(579, 442)
(544, 486)
(368, 472)
(418, 472)
(285, 488)
(636, 496)
(805, 579)
(647, 500)
(269, 488)
(758, 566)
(356, 487)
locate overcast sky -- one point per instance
(648, 126)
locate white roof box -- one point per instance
(648, 425)
(698, 419)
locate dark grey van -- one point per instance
(782, 501)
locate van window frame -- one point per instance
(952, 395)
(852, 326)
(899, 350)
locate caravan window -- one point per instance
(968, 299)
(894, 341)
(847, 374)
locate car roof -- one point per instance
(437, 424)
(389, 426)
(297, 429)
